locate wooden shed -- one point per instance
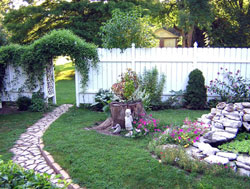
(167, 37)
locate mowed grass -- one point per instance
(11, 127)
(65, 83)
(95, 160)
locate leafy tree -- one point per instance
(125, 28)
(185, 16)
(231, 27)
(83, 17)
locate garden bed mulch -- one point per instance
(9, 109)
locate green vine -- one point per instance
(35, 57)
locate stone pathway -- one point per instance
(26, 150)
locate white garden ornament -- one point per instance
(128, 122)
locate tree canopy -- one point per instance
(82, 17)
(216, 22)
(125, 28)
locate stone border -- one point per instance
(28, 149)
(56, 167)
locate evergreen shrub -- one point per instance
(195, 96)
(23, 103)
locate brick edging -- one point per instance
(56, 167)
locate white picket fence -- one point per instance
(175, 63)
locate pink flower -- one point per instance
(150, 115)
(195, 132)
(179, 137)
(194, 141)
(189, 139)
(181, 130)
(197, 138)
(134, 122)
(226, 167)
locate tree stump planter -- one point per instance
(118, 114)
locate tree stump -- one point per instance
(118, 111)
(118, 114)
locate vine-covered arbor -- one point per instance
(29, 68)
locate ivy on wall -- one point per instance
(35, 57)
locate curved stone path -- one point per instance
(27, 150)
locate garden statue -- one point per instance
(117, 129)
(128, 122)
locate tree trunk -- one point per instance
(118, 111)
(118, 115)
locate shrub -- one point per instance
(153, 85)
(37, 103)
(102, 99)
(14, 176)
(230, 87)
(23, 103)
(196, 92)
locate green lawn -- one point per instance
(11, 127)
(65, 83)
(99, 161)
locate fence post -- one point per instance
(54, 87)
(45, 86)
(133, 57)
(195, 55)
(77, 87)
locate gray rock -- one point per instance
(217, 130)
(244, 159)
(218, 138)
(231, 130)
(210, 151)
(238, 106)
(218, 125)
(246, 104)
(233, 117)
(243, 172)
(204, 146)
(246, 117)
(246, 125)
(221, 105)
(209, 135)
(213, 111)
(229, 108)
(216, 159)
(209, 116)
(231, 123)
(242, 165)
(246, 110)
(230, 156)
(225, 134)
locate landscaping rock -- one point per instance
(218, 125)
(246, 125)
(210, 151)
(229, 108)
(238, 106)
(246, 104)
(246, 110)
(244, 159)
(243, 172)
(231, 123)
(231, 130)
(221, 105)
(230, 156)
(242, 165)
(246, 117)
(225, 134)
(216, 159)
